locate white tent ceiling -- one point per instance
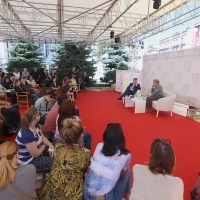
(85, 21)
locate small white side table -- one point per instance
(140, 105)
(127, 102)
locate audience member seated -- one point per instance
(65, 81)
(131, 89)
(50, 121)
(7, 85)
(66, 90)
(53, 73)
(71, 161)
(156, 93)
(85, 81)
(44, 104)
(32, 82)
(11, 114)
(5, 128)
(12, 80)
(156, 181)
(73, 80)
(2, 88)
(54, 84)
(109, 173)
(16, 73)
(67, 111)
(2, 74)
(36, 75)
(15, 178)
(25, 73)
(43, 91)
(73, 90)
(45, 80)
(20, 87)
(33, 145)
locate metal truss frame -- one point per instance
(58, 23)
(161, 20)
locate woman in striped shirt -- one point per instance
(33, 145)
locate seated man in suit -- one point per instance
(131, 89)
(156, 93)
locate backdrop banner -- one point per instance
(178, 72)
(124, 78)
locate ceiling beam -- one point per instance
(111, 16)
(8, 15)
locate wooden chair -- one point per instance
(3, 96)
(22, 99)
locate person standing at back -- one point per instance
(36, 75)
(22, 178)
(156, 93)
(156, 181)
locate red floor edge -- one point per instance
(97, 108)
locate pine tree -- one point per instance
(24, 55)
(68, 56)
(113, 59)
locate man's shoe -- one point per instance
(148, 110)
(119, 98)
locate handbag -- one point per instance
(19, 193)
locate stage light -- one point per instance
(156, 4)
(117, 39)
(112, 34)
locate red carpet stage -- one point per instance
(100, 108)
(97, 108)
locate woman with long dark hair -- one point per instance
(109, 174)
(67, 111)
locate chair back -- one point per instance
(22, 99)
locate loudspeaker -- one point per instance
(112, 34)
(117, 39)
(156, 4)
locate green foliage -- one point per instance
(68, 56)
(109, 77)
(113, 59)
(24, 55)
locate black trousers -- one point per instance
(12, 97)
(12, 115)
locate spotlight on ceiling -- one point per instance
(156, 4)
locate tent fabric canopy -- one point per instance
(79, 21)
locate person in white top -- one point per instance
(22, 178)
(109, 176)
(156, 181)
(16, 73)
(32, 82)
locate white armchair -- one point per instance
(166, 103)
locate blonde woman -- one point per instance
(71, 161)
(22, 178)
(33, 145)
